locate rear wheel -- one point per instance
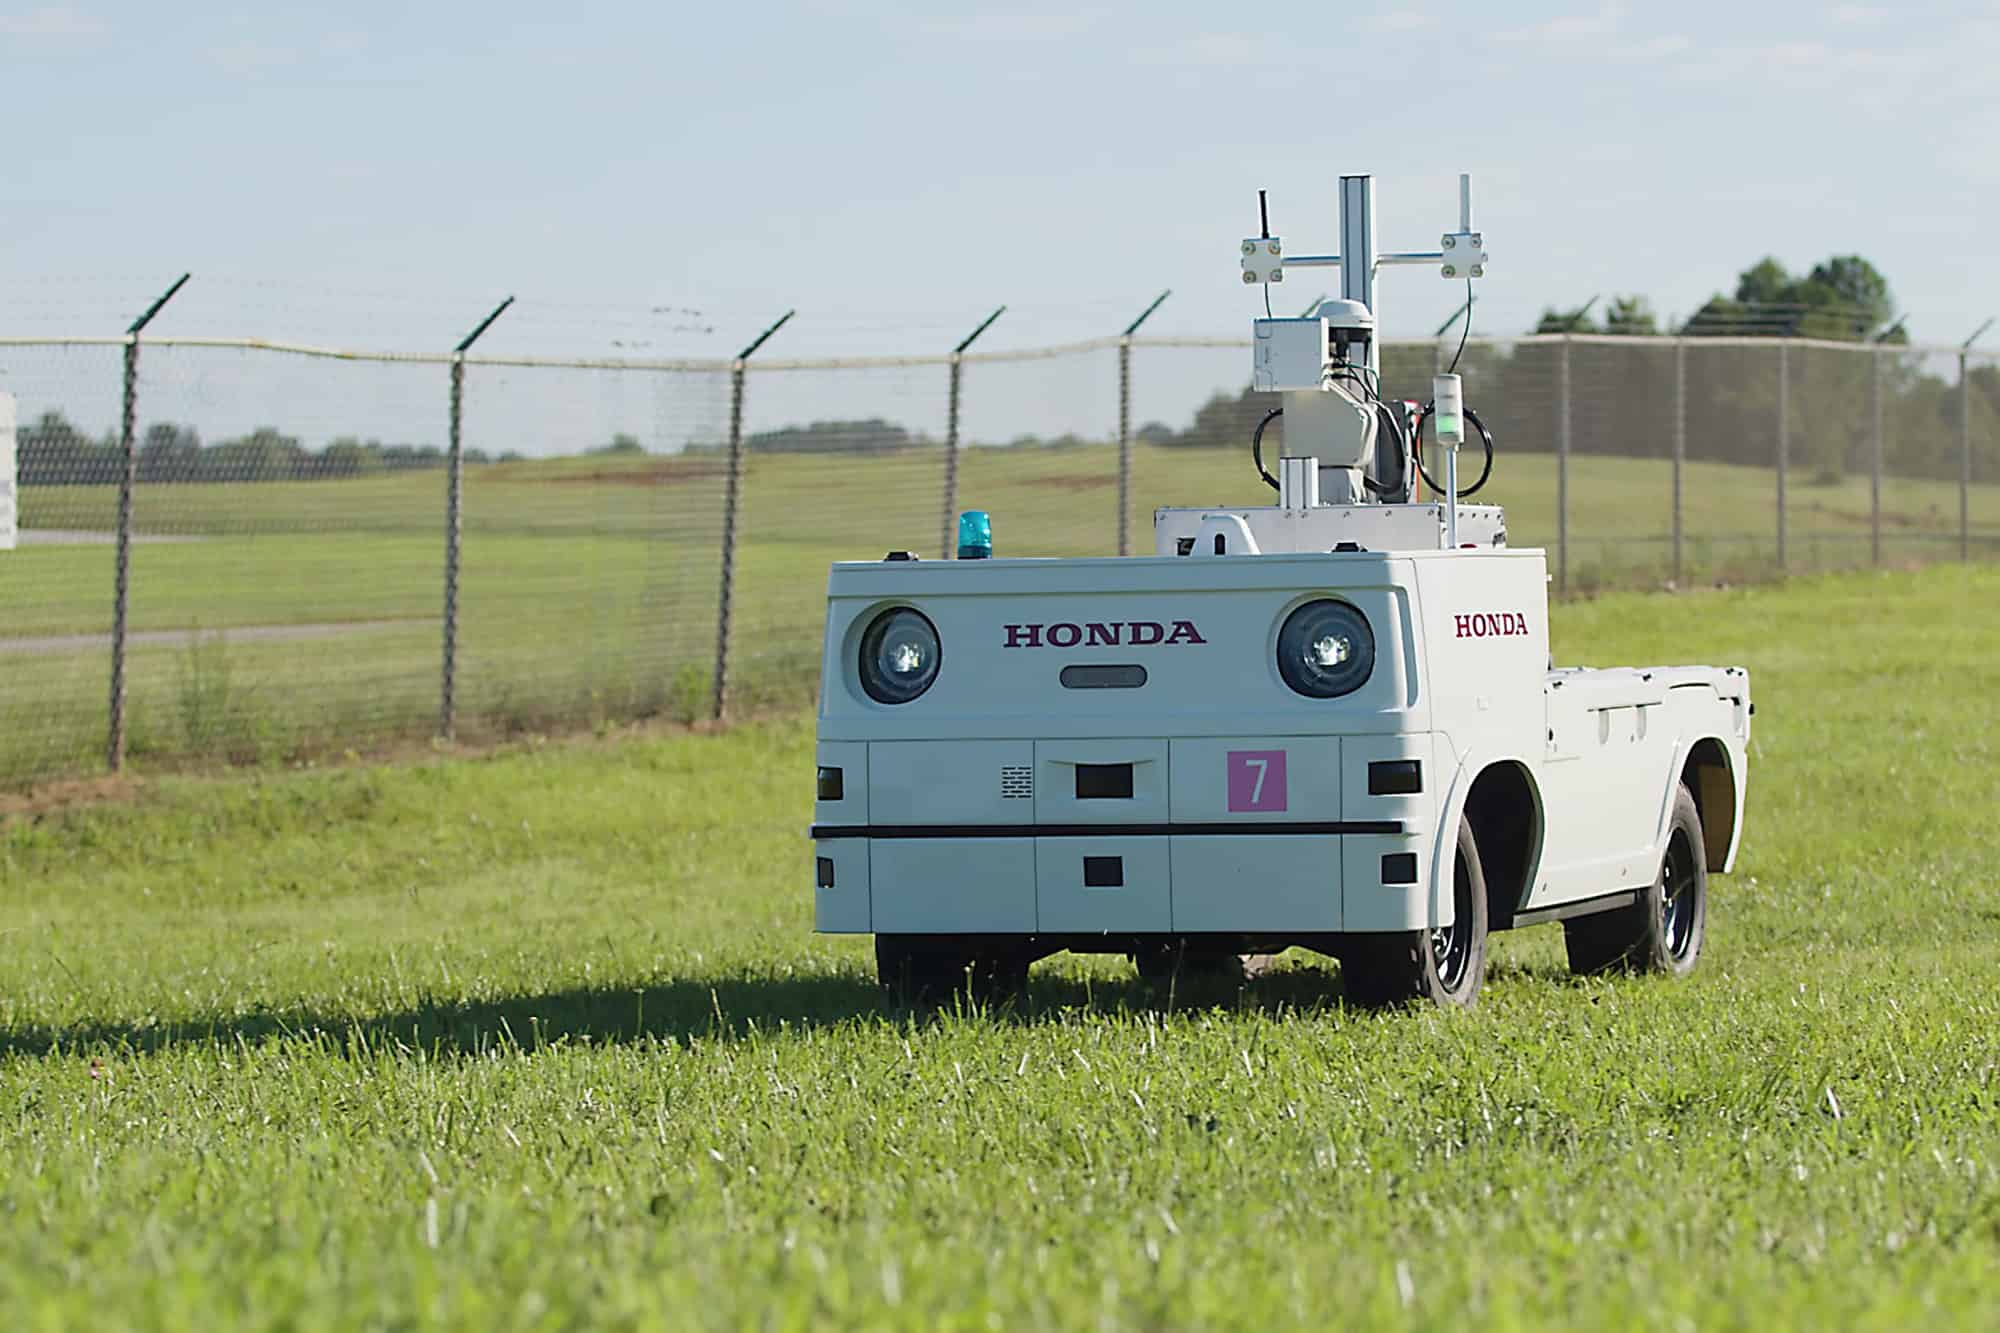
(1663, 931)
(1443, 965)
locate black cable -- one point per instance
(1417, 450)
(1465, 332)
(1402, 452)
(1257, 446)
(1267, 301)
(1358, 372)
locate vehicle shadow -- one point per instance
(730, 1007)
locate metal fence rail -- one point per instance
(244, 550)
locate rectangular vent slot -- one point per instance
(1102, 677)
(1104, 782)
(1399, 868)
(1103, 872)
(1395, 777)
(1017, 782)
(830, 784)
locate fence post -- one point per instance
(946, 546)
(1125, 423)
(1680, 445)
(1875, 462)
(454, 494)
(1562, 468)
(1964, 459)
(950, 460)
(1784, 444)
(1125, 445)
(719, 701)
(128, 478)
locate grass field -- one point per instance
(542, 1040)
(589, 589)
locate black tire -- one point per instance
(928, 969)
(1443, 966)
(1663, 931)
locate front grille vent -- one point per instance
(1017, 782)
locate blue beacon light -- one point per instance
(975, 535)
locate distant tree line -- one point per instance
(1843, 298)
(1622, 394)
(54, 452)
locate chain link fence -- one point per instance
(328, 552)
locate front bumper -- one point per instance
(1173, 858)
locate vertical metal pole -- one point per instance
(738, 369)
(128, 476)
(454, 504)
(946, 547)
(1875, 460)
(1784, 444)
(1680, 447)
(1125, 446)
(1562, 468)
(1357, 253)
(1125, 422)
(1964, 460)
(453, 523)
(720, 703)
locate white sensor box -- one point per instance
(1289, 354)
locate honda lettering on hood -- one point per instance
(1095, 634)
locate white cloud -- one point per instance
(1399, 20)
(1571, 27)
(1003, 27)
(1210, 50)
(246, 58)
(51, 21)
(1858, 16)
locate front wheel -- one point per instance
(1443, 965)
(1663, 931)
(927, 969)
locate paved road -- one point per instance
(79, 537)
(180, 638)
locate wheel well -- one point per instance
(1505, 815)
(1708, 776)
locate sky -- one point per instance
(663, 180)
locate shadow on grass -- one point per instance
(730, 1008)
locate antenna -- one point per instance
(1263, 216)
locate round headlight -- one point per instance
(899, 656)
(1326, 649)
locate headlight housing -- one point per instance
(900, 654)
(1326, 649)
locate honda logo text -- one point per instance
(1489, 624)
(1115, 634)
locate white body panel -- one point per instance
(1372, 527)
(1249, 810)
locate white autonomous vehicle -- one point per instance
(1330, 723)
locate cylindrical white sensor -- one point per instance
(1448, 410)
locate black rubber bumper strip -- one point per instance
(1322, 828)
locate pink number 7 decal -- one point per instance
(1256, 780)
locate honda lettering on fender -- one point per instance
(1489, 624)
